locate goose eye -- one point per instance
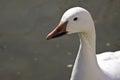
(75, 19)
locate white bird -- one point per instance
(88, 65)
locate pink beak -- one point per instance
(58, 31)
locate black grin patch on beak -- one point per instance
(59, 34)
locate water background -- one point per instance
(24, 52)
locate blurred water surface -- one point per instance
(24, 52)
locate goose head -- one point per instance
(74, 20)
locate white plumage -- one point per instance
(88, 65)
(109, 62)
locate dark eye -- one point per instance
(75, 19)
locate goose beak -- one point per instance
(60, 30)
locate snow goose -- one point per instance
(87, 66)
